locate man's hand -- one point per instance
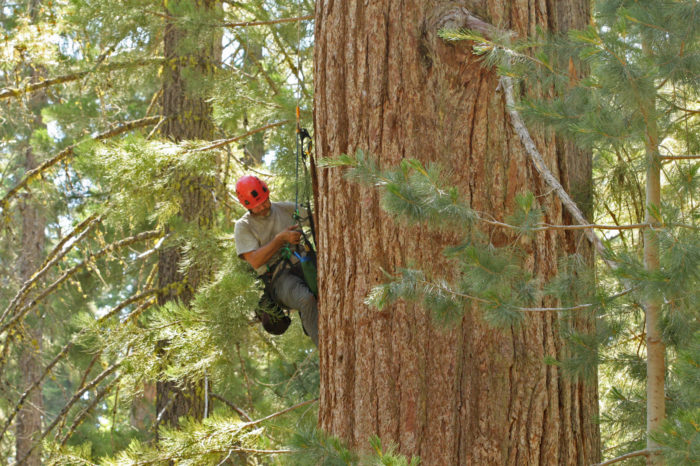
(260, 256)
(291, 235)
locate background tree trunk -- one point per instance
(29, 416)
(189, 117)
(472, 395)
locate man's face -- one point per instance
(263, 210)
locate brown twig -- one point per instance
(238, 410)
(223, 142)
(277, 414)
(680, 157)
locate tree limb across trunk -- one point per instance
(537, 160)
(452, 16)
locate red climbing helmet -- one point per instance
(251, 191)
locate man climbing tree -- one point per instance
(263, 236)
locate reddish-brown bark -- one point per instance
(471, 395)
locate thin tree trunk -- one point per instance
(656, 350)
(29, 416)
(470, 395)
(189, 117)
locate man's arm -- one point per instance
(260, 256)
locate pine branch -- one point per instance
(224, 142)
(88, 222)
(264, 23)
(291, 65)
(54, 257)
(238, 410)
(68, 346)
(68, 151)
(579, 307)
(277, 414)
(9, 92)
(96, 381)
(81, 385)
(547, 226)
(258, 65)
(69, 273)
(81, 416)
(624, 457)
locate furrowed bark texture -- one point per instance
(470, 395)
(189, 117)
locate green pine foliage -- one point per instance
(103, 315)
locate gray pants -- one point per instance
(292, 292)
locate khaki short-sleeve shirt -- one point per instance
(252, 232)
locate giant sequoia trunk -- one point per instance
(471, 395)
(188, 117)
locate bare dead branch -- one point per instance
(277, 414)
(537, 160)
(265, 23)
(68, 151)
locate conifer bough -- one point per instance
(68, 151)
